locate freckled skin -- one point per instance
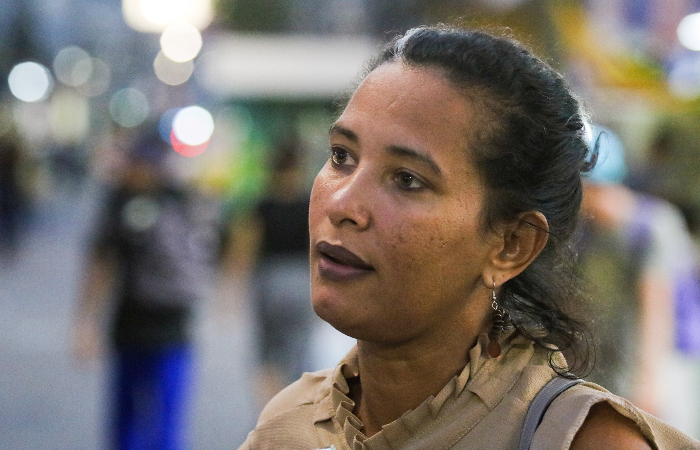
(427, 247)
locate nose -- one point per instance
(349, 202)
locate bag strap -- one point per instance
(539, 405)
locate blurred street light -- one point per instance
(171, 72)
(129, 107)
(181, 42)
(72, 66)
(154, 16)
(99, 76)
(689, 31)
(30, 81)
(193, 125)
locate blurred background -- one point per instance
(231, 82)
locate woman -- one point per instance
(448, 202)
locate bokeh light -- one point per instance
(83, 70)
(162, 11)
(171, 72)
(72, 66)
(689, 31)
(187, 150)
(99, 78)
(193, 125)
(69, 117)
(181, 42)
(141, 213)
(129, 107)
(153, 16)
(30, 81)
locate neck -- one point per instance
(397, 379)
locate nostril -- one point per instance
(356, 218)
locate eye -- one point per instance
(407, 180)
(341, 157)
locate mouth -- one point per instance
(338, 263)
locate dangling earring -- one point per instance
(498, 322)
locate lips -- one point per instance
(339, 263)
(341, 255)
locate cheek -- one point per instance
(431, 251)
(418, 243)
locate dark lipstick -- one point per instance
(340, 264)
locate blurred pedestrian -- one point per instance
(639, 259)
(273, 242)
(151, 259)
(14, 200)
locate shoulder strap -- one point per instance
(539, 405)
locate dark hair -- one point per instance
(530, 149)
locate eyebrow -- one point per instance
(396, 150)
(416, 155)
(337, 129)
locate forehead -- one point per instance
(415, 107)
(417, 98)
(411, 85)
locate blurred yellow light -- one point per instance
(689, 31)
(171, 72)
(30, 82)
(153, 16)
(181, 42)
(69, 117)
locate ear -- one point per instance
(519, 243)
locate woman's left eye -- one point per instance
(407, 180)
(341, 157)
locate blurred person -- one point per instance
(14, 200)
(271, 245)
(669, 172)
(151, 259)
(639, 260)
(440, 238)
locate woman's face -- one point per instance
(397, 251)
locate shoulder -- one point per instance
(588, 416)
(604, 427)
(290, 415)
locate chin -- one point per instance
(327, 309)
(348, 323)
(336, 316)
